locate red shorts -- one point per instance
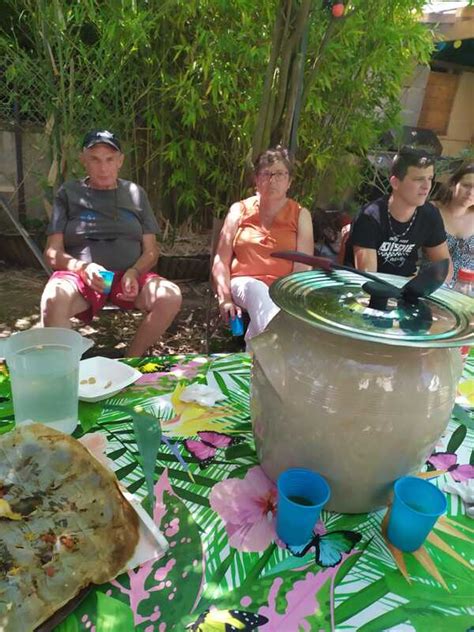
(97, 300)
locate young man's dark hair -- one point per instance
(410, 157)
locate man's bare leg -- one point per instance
(60, 301)
(161, 300)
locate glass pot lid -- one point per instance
(336, 302)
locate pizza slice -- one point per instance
(63, 524)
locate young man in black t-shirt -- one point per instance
(387, 233)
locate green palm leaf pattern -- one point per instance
(147, 432)
(365, 592)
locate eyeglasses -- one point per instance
(268, 175)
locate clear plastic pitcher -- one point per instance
(44, 371)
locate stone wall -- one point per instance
(35, 167)
(460, 132)
(413, 96)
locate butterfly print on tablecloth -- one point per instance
(205, 449)
(449, 461)
(329, 548)
(213, 620)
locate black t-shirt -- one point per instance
(396, 243)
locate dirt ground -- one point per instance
(20, 292)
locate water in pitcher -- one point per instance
(44, 384)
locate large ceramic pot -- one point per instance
(358, 394)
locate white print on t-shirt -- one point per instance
(395, 253)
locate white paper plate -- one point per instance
(100, 378)
(152, 543)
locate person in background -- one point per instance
(99, 223)
(387, 233)
(456, 204)
(253, 229)
(327, 229)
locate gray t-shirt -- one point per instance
(104, 226)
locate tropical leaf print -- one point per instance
(293, 600)
(147, 431)
(183, 565)
(6, 409)
(371, 588)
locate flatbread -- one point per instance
(63, 524)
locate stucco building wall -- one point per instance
(460, 133)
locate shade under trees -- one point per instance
(195, 87)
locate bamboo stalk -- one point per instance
(263, 114)
(292, 44)
(318, 60)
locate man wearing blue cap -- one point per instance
(99, 223)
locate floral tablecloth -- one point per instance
(224, 569)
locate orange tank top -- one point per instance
(254, 244)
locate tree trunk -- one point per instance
(284, 92)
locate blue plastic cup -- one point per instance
(237, 326)
(417, 504)
(302, 494)
(108, 277)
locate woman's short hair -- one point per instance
(271, 156)
(446, 192)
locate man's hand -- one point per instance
(130, 287)
(228, 310)
(91, 277)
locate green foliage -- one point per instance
(70, 624)
(375, 173)
(182, 82)
(355, 95)
(112, 614)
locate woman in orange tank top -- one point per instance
(243, 269)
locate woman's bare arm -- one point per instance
(304, 238)
(222, 261)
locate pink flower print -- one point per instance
(448, 461)
(188, 370)
(152, 378)
(248, 509)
